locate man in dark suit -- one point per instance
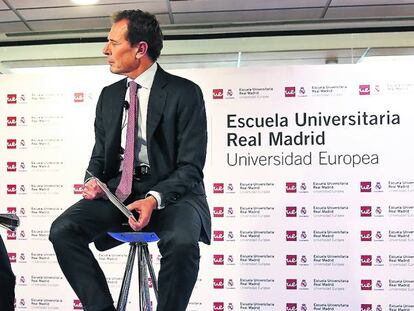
(167, 191)
(7, 280)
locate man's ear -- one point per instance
(142, 49)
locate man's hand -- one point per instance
(144, 207)
(92, 191)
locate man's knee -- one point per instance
(180, 245)
(59, 230)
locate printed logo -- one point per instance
(11, 210)
(366, 260)
(291, 307)
(11, 166)
(77, 188)
(366, 211)
(218, 188)
(11, 144)
(366, 235)
(365, 186)
(11, 98)
(218, 235)
(11, 121)
(291, 211)
(291, 260)
(78, 97)
(218, 93)
(290, 187)
(291, 235)
(11, 189)
(12, 257)
(366, 307)
(77, 305)
(218, 283)
(218, 306)
(11, 235)
(291, 284)
(366, 284)
(218, 211)
(218, 259)
(364, 89)
(290, 91)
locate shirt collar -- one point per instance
(146, 78)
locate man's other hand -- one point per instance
(144, 207)
(92, 191)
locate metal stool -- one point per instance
(138, 242)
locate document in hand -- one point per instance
(111, 197)
(9, 221)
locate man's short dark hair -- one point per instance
(142, 26)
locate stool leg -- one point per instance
(126, 281)
(151, 271)
(144, 298)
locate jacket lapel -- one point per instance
(156, 103)
(115, 111)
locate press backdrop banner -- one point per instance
(309, 176)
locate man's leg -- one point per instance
(179, 228)
(7, 280)
(71, 234)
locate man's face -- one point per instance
(122, 57)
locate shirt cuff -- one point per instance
(157, 197)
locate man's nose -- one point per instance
(106, 49)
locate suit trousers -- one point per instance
(178, 226)
(7, 280)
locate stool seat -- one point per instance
(134, 237)
(138, 245)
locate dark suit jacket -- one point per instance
(176, 141)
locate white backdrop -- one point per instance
(309, 177)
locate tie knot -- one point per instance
(133, 87)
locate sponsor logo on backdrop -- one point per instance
(366, 211)
(291, 211)
(366, 307)
(11, 235)
(366, 235)
(291, 284)
(218, 306)
(218, 211)
(218, 235)
(78, 97)
(77, 188)
(401, 186)
(11, 98)
(366, 284)
(291, 260)
(218, 188)
(218, 283)
(365, 186)
(12, 257)
(77, 305)
(364, 89)
(11, 121)
(290, 91)
(218, 93)
(218, 259)
(291, 307)
(11, 189)
(11, 210)
(291, 187)
(366, 260)
(11, 144)
(291, 235)
(11, 166)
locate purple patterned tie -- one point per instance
(125, 185)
